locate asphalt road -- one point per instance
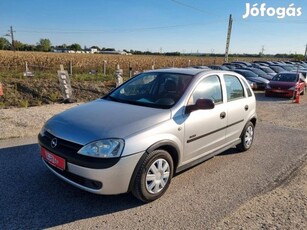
(33, 198)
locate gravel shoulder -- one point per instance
(284, 207)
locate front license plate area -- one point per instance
(53, 159)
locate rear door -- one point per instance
(240, 103)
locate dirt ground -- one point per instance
(284, 207)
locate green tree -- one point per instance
(4, 44)
(19, 45)
(75, 47)
(44, 44)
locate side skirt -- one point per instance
(206, 157)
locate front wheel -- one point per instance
(247, 137)
(153, 176)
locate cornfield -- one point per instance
(81, 63)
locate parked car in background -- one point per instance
(200, 67)
(247, 64)
(218, 67)
(266, 63)
(277, 68)
(268, 70)
(259, 72)
(285, 67)
(154, 125)
(287, 84)
(260, 83)
(233, 65)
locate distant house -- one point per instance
(88, 51)
(114, 52)
(59, 50)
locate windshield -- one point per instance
(267, 70)
(288, 67)
(277, 69)
(247, 74)
(286, 77)
(152, 89)
(259, 71)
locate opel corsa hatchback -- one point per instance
(146, 130)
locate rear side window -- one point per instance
(248, 90)
(234, 88)
(208, 88)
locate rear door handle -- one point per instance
(222, 115)
(246, 107)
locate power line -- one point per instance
(131, 30)
(191, 7)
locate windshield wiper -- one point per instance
(113, 98)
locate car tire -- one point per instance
(153, 176)
(247, 137)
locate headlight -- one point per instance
(108, 148)
(42, 132)
(292, 88)
(267, 86)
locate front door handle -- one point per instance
(222, 115)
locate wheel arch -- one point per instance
(166, 145)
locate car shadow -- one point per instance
(34, 198)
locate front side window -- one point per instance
(234, 88)
(208, 88)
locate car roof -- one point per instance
(190, 71)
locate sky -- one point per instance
(160, 25)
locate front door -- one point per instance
(205, 129)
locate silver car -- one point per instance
(136, 138)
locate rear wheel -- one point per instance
(247, 137)
(153, 176)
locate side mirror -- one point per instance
(200, 104)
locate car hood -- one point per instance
(104, 119)
(281, 85)
(258, 80)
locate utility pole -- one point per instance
(11, 34)
(228, 38)
(262, 51)
(305, 53)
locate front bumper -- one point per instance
(113, 180)
(280, 93)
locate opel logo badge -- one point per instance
(54, 143)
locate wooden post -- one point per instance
(1, 90)
(130, 70)
(104, 67)
(70, 67)
(118, 76)
(61, 67)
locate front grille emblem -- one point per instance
(54, 143)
